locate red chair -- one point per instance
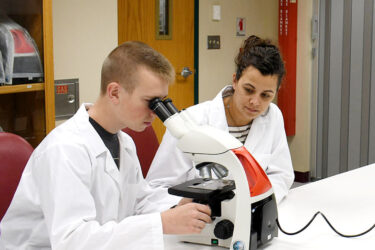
(147, 144)
(14, 154)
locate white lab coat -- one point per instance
(72, 196)
(266, 141)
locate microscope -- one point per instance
(241, 198)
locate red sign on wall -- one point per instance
(288, 47)
(62, 89)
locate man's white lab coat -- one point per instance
(266, 142)
(72, 196)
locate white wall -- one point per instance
(217, 66)
(84, 32)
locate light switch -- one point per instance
(213, 42)
(216, 12)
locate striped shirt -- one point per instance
(240, 132)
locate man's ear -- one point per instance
(113, 92)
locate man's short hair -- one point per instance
(121, 65)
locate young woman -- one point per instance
(244, 109)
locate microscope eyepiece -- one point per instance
(170, 106)
(163, 109)
(159, 108)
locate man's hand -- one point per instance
(184, 201)
(190, 218)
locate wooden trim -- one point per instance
(302, 176)
(196, 51)
(21, 88)
(49, 93)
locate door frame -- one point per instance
(196, 51)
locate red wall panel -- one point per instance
(288, 47)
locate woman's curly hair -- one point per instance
(262, 55)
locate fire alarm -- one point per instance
(241, 26)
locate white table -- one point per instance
(347, 200)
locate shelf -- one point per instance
(29, 109)
(21, 88)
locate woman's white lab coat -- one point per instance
(72, 196)
(266, 142)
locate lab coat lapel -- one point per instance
(96, 143)
(256, 133)
(111, 168)
(125, 161)
(129, 173)
(128, 158)
(216, 113)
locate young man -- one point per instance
(83, 187)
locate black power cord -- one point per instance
(330, 225)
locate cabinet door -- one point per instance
(27, 105)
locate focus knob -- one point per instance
(224, 229)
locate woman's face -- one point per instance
(253, 94)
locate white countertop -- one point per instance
(347, 200)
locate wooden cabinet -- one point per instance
(29, 109)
